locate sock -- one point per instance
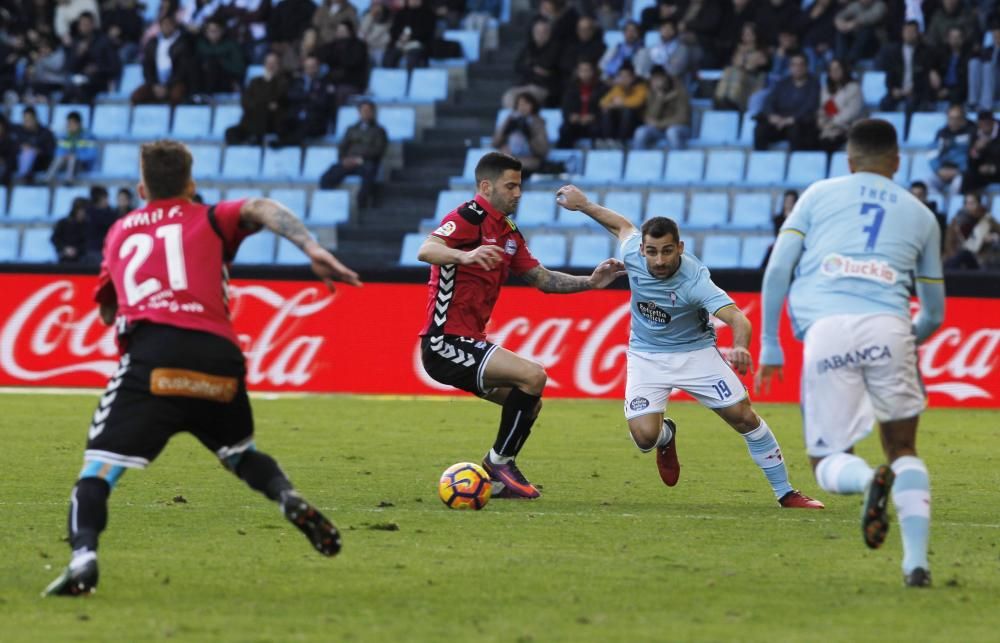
(911, 495)
(496, 458)
(843, 473)
(515, 422)
(766, 453)
(81, 557)
(263, 474)
(88, 514)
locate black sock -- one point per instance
(515, 422)
(263, 474)
(88, 512)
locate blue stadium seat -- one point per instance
(644, 166)
(150, 121)
(9, 242)
(754, 249)
(766, 168)
(721, 251)
(120, 160)
(36, 246)
(210, 196)
(294, 199)
(42, 111)
(898, 120)
(253, 71)
(241, 162)
(873, 87)
(428, 84)
(257, 248)
(289, 254)
(588, 250)
(747, 127)
(752, 210)
(955, 203)
(130, 81)
(469, 39)
(448, 200)
(536, 208)
(838, 165)
(627, 204)
(388, 84)
(666, 204)
(472, 156)
(805, 168)
(330, 207)
(110, 121)
(550, 249)
(708, 210)
(192, 122)
(923, 127)
(553, 121)
(62, 111)
(725, 167)
(281, 164)
(28, 202)
(224, 117)
(718, 128)
(603, 166)
(638, 6)
(408, 252)
(613, 37)
(236, 194)
(684, 166)
(905, 162)
(3, 199)
(318, 160)
(920, 168)
(400, 123)
(63, 200)
(206, 160)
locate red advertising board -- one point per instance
(298, 337)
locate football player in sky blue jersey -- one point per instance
(856, 244)
(672, 345)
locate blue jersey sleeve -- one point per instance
(631, 244)
(800, 218)
(707, 294)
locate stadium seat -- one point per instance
(725, 167)
(684, 166)
(754, 249)
(150, 121)
(603, 166)
(553, 118)
(120, 160)
(110, 121)
(588, 250)
(448, 200)
(9, 242)
(192, 122)
(666, 204)
(428, 84)
(718, 128)
(468, 38)
(613, 37)
(241, 162)
(550, 249)
(838, 165)
(898, 120)
(236, 194)
(210, 196)
(955, 203)
(292, 198)
(36, 246)
(766, 168)
(388, 84)
(318, 160)
(253, 71)
(408, 252)
(205, 160)
(3, 199)
(62, 111)
(721, 251)
(747, 127)
(400, 123)
(29, 202)
(472, 156)
(905, 162)
(330, 207)
(752, 210)
(130, 81)
(627, 204)
(224, 117)
(924, 127)
(920, 168)
(644, 166)
(281, 164)
(289, 254)
(805, 168)
(41, 111)
(638, 6)
(536, 208)
(257, 249)
(708, 210)
(873, 87)
(63, 199)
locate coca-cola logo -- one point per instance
(959, 356)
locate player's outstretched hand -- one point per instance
(606, 272)
(328, 268)
(740, 360)
(765, 373)
(571, 197)
(486, 257)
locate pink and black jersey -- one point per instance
(461, 298)
(166, 263)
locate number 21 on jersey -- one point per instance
(140, 245)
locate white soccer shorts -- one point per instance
(857, 369)
(704, 374)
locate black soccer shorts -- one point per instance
(172, 380)
(457, 361)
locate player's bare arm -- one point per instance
(739, 356)
(551, 281)
(436, 252)
(274, 216)
(108, 312)
(573, 198)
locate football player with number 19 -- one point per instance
(672, 345)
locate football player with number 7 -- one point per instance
(672, 345)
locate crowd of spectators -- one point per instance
(79, 236)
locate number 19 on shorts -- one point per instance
(722, 390)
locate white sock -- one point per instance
(911, 495)
(843, 473)
(766, 453)
(81, 557)
(496, 458)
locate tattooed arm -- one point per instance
(551, 281)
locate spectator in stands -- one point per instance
(67, 12)
(522, 134)
(667, 113)
(8, 152)
(360, 152)
(819, 33)
(220, 61)
(950, 157)
(608, 13)
(857, 29)
(773, 15)
(69, 235)
(194, 14)
(699, 27)
(562, 17)
(919, 190)
(124, 202)
(47, 72)
(328, 15)
(670, 53)
(788, 200)
(789, 113)
(745, 74)
(907, 67)
(288, 21)
(76, 151)
(167, 66)
(448, 12)
(264, 104)
(123, 23)
(621, 53)
(788, 45)
(93, 62)
(99, 218)
(374, 30)
(737, 14)
(347, 60)
(248, 19)
(984, 155)
(621, 106)
(581, 106)
(587, 45)
(537, 66)
(972, 240)
(13, 54)
(950, 15)
(312, 100)
(984, 71)
(36, 146)
(411, 36)
(948, 76)
(293, 57)
(652, 17)
(840, 104)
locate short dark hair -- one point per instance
(493, 164)
(528, 96)
(74, 116)
(657, 70)
(29, 110)
(873, 137)
(98, 192)
(166, 169)
(918, 185)
(983, 115)
(127, 191)
(657, 227)
(367, 101)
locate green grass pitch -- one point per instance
(607, 554)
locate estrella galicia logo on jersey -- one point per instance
(638, 403)
(510, 247)
(446, 229)
(654, 313)
(835, 265)
(863, 356)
